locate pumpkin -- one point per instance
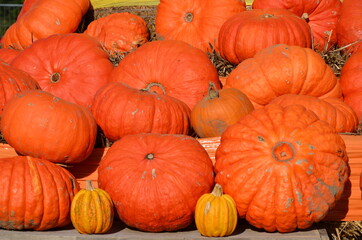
(322, 17)
(13, 81)
(218, 110)
(8, 54)
(183, 71)
(70, 66)
(351, 82)
(245, 33)
(283, 69)
(284, 167)
(332, 110)
(26, 6)
(121, 110)
(156, 179)
(196, 22)
(119, 33)
(349, 25)
(38, 124)
(36, 194)
(43, 19)
(92, 210)
(216, 214)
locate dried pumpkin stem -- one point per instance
(217, 191)
(153, 84)
(212, 91)
(150, 156)
(55, 77)
(189, 17)
(88, 185)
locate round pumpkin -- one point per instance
(43, 19)
(283, 69)
(218, 110)
(8, 54)
(70, 66)
(38, 124)
(322, 17)
(332, 110)
(120, 110)
(284, 167)
(184, 71)
(25, 7)
(119, 33)
(196, 22)
(216, 214)
(155, 179)
(35, 194)
(245, 33)
(92, 210)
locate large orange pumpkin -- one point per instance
(35, 194)
(184, 71)
(284, 167)
(196, 22)
(8, 54)
(155, 179)
(283, 69)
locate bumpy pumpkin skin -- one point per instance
(70, 66)
(283, 69)
(119, 33)
(216, 214)
(284, 167)
(183, 70)
(43, 19)
(155, 180)
(245, 33)
(196, 22)
(35, 194)
(92, 210)
(38, 124)
(121, 110)
(322, 17)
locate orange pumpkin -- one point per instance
(8, 54)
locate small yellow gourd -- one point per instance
(216, 214)
(92, 210)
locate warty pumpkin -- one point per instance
(216, 214)
(35, 194)
(283, 69)
(155, 179)
(92, 210)
(38, 124)
(245, 33)
(120, 110)
(284, 167)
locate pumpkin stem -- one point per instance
(305, 16)
(217, 191)
(55, 77)
(283, 151)
(189, 17)
(150, 156)
(153, 84)
(89, 185)
(213, 92)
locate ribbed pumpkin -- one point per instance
(38, 124)
(26, 6)
(43, 19)
(35, 194)
(245, 33)
(155, 179)
(284, 167)
(121, 110)
(196, 22)
(92, 210)
(8, 54)
(283, 69)
(322, 17)
(184, 71)
(216, 214)
(119, 33)
(335, 111)
(70, 66)
(218, 110)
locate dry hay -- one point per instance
(351, 230)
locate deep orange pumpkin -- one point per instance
(8, 54)
(155, 180)
(35, 194)
(283, 166)
(70, 66)
(26, 6)
(38, 124)
(322, 17)
(196, 22)
(121, 110)
(245, 33)
(283, 69)
(183, 70)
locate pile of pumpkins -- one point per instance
(281, 162)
